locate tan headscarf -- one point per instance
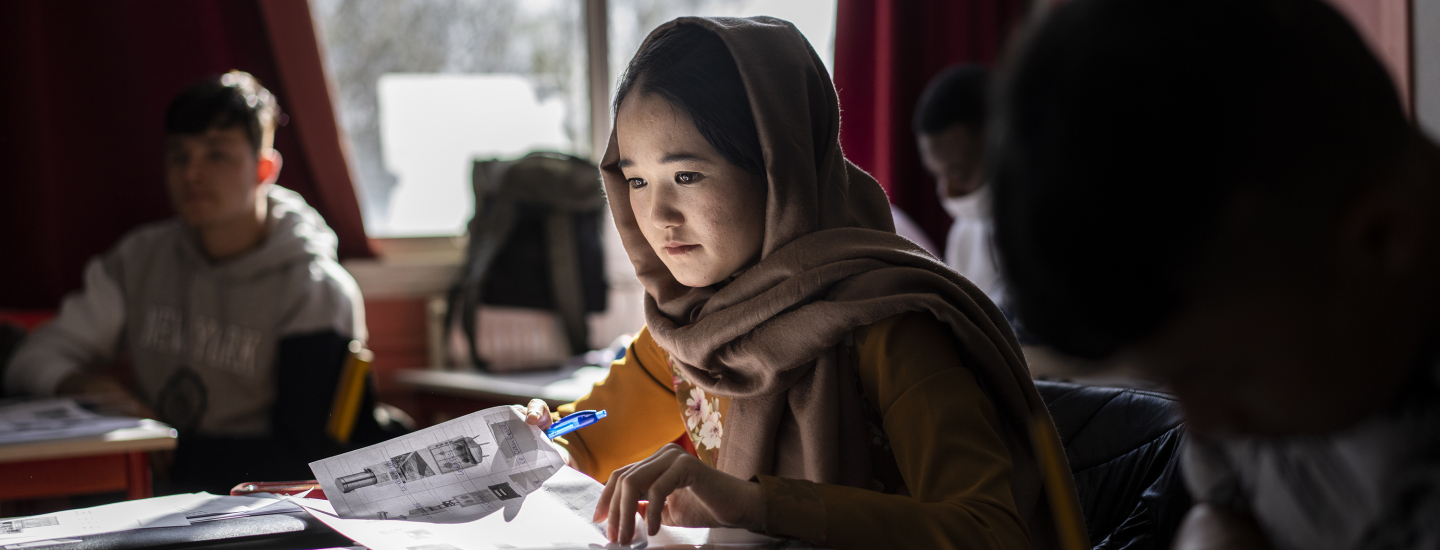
(830, 263)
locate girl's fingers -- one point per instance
(538, 414)
(602, 506)
(624, 508)
(659, 493)
(633, 486)
(528, 414)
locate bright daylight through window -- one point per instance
(426, 87)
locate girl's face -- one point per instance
(703, 216)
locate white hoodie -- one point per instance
(202, 335)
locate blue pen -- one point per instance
(574, 422)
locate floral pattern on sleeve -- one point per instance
(703, 415)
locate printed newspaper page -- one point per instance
(453, 472)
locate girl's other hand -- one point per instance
(678, 490)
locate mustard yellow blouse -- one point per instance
(943, 478)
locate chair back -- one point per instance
(1124, 451)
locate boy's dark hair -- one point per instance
(955, 96)
(233, 99)
(692, 69)
(1124, 129)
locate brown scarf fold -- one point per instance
(831, 263)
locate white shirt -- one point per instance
(969, 248)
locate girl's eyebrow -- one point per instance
(669, 158)
(681, 157)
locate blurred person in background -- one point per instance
(1227, 196)
(235, 315)
(949, 128)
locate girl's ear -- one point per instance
(267, 170)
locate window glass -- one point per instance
(632, 20)
(425, 87)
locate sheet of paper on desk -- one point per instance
(453, 472)
(54, 419)
(151, 512)
(167, 511)
(555, 516)
(229, 507)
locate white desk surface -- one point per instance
(555, 386)
(150, 435)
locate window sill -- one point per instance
(412, 267)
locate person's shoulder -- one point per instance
(646, 351)
(322, 295)
(327, 276)
(903, 330)
(322, 278)
(148, 236)
(140, 246)
(903, 350)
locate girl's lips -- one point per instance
(677, 249)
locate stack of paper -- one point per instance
(169, 511)
(227, 507)
(54, 419)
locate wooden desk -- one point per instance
(446, 394)
(114, 461)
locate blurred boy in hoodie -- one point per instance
(235, 314)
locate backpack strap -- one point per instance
(495, 217)
(565, 281)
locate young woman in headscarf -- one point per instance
(839, 384)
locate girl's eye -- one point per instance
(635, 183)
(687, 177)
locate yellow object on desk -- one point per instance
(349, 392)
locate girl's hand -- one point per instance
(536, 414)
(680, 490)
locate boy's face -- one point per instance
(213, 177)
(954, 157)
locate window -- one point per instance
(425, 87)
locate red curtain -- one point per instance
(886, 51)
(86, 85)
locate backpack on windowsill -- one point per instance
(534, 254)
